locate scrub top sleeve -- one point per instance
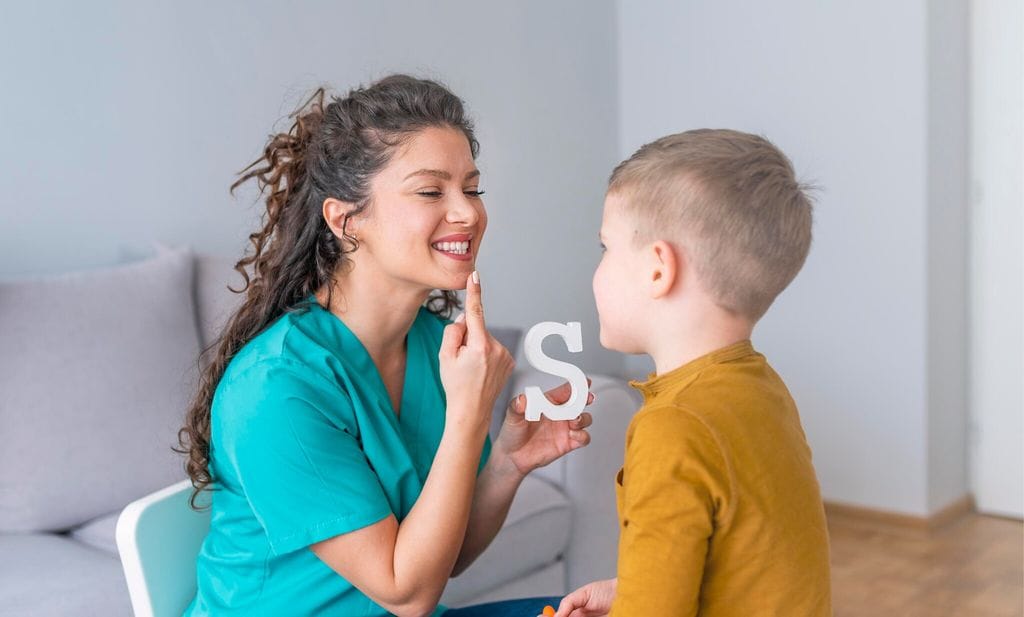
(485, 454)
(301, 468)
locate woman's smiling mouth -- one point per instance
(456, 247)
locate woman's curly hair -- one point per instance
(331, 150)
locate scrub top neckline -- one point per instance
(411, 380)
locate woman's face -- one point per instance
(426, 219)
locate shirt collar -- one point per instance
(656, 384)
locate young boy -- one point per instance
(720, 511)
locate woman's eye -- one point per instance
(437, 194)
(603, 248)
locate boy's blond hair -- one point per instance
(732, 200)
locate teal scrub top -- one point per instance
(305, 445)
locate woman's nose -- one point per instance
(462, 210)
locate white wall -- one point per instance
(125, 125)
(997, 261)
(947, 253)
(843, 89)
(125, 122)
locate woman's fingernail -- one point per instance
(476, 277)
(461, 318)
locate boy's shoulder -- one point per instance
(742, 385)
(670, 429)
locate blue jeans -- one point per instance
(526, 607)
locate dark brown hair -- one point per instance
(331, 150)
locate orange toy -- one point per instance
(549, 611)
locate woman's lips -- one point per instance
(456, 251)
(459, 248)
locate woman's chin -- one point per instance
(456, 280)
(453, 282)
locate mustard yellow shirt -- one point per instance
(719, 509)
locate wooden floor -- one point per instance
(972, 567)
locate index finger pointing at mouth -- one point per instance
(477, 331)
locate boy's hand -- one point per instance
(589, 600)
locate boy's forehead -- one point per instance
(614, 211)
(614, 200)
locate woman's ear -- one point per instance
(666, 268)
(335, 214)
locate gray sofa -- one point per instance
(95, 371)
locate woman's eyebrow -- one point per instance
(439, 173)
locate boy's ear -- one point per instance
(666, 269)
(335, 214)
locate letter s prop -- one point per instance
(536, 402)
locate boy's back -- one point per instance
(718, 490)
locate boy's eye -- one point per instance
(603, 248)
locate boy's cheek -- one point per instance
(602, 335)
(607, 329)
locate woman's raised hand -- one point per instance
(474, 365)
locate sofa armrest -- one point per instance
(587, 476)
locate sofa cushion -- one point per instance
(535, 534)
(100, 533)
(49, 575)
(215, 303)
(510, 338)
(96, 369)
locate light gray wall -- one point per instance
(125, 123)
(844, 89)
(947, 350)
(997, 259)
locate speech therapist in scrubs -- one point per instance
(340, 425)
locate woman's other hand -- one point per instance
(528, 445)
(474, 365)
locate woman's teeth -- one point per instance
(458, 248)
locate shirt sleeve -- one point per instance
(674, 480)
(485, 455)
(291, 443)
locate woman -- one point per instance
(342, 422)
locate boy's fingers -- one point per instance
(567, 605)
(570, 603)
(475, 311)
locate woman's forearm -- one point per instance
(430, 537)
(495, 489)
(404, 567)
